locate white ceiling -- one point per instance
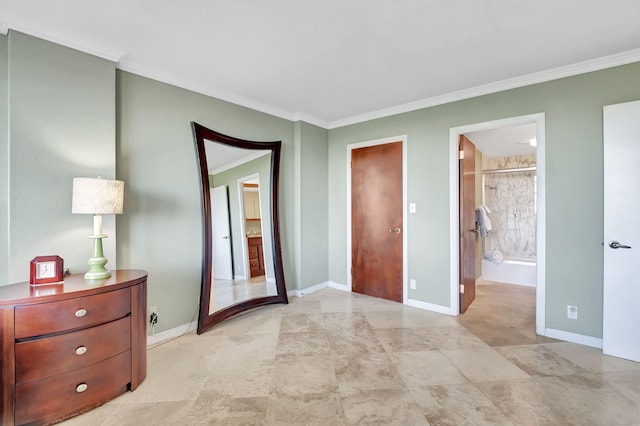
(505, 141)
(335, 62)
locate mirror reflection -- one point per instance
(239, 182)
(241, 250)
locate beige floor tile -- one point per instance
(161, 413)
(243, 349)
(310, 409)
(425, 369)
(592, 359)
(407, 317)
(484, 365)
(458, 405)
(538, 360)
(333, 357)
(404, 339)
(350, 342)
(382, 407)
(306, 343)
(301, 305)
(346, 320)
(299, 323)
(454, 337)
(562, 400)
(212, 408)
(304, 375)
(366, 372)
(244, 379)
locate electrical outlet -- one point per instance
(572, 312)
(412, 284)
(153, 315)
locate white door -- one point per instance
(621, 315)
(222, 269)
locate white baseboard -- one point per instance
(178, 331)
(580, 339)
(304, 291)
(271, 280)
(339, 286)
(430, 307)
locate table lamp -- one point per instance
(97, 197)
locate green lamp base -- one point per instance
(97, 271)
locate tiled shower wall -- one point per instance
(511, 199)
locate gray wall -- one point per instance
(230, 177)
(161, 229)
(61, 108)
(574, 175)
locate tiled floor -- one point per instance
(336, 358)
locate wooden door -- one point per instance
(467, 194)
(376, 221)
(621, 316)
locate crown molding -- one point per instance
(311, 119)
(204, 89)
(584, 67)
(64, 40)
(122, 63)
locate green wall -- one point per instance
(61, 109)
(311, 143)
(4, 160)
(161, 230)
(60, 121)
(574, 186)
(230, 177)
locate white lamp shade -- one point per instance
(97, 196)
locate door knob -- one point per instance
(616, 245)
(394, 230)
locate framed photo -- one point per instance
(46, 269)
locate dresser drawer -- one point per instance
(54, 317)
(61, 396)
(41, 358)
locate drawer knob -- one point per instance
(81, 350)
(81, 387)
(81, 312)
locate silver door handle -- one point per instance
(616, 245)
(394, 230)
(476, 230)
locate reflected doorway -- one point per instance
(510, 192)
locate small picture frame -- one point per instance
(46, 270)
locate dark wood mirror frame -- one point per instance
(205, 319)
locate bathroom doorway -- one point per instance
(509, 195)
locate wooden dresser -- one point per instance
(71, 346)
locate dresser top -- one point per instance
(72, 286)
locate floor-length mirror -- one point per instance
(242, 262)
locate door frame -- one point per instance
(243, 232)
(454, 135)
(351, 147)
